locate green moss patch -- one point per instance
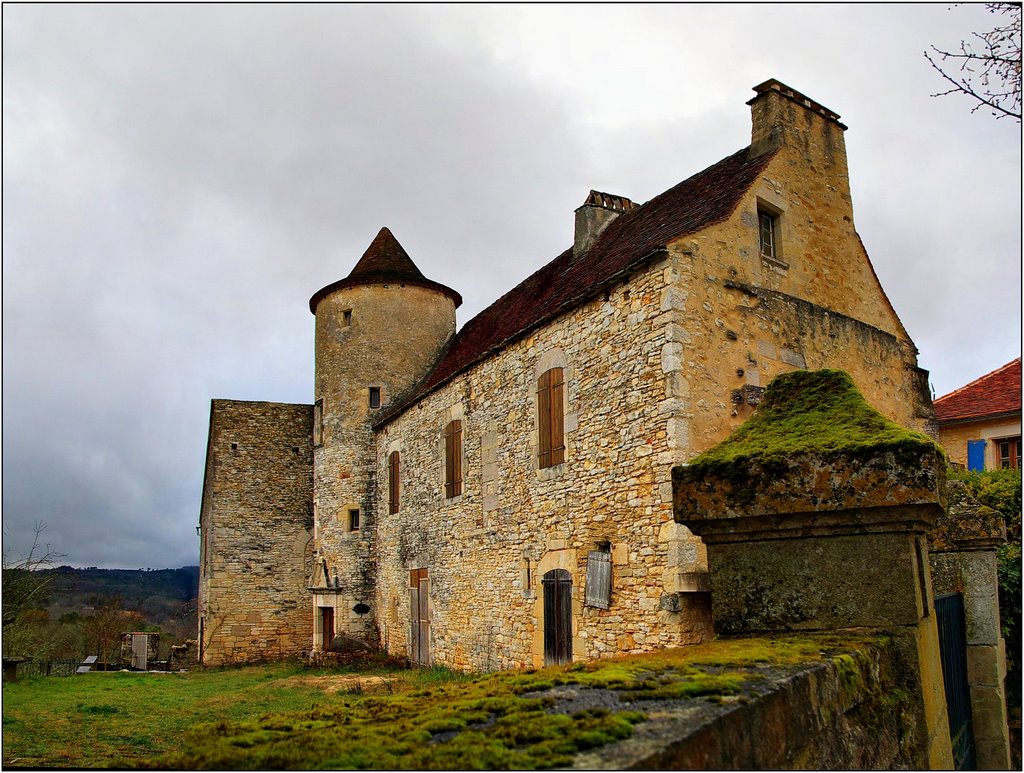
(505, 720)
(809, 412)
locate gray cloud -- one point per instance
(179, 179)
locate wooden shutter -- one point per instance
(457, 457)
(975, 454)
(599, 579)
(544, 419)
(557, 420)
(550, 418)
(453, 459)
(394, 483)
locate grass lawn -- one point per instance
(288, 716)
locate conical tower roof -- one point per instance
(384, 262)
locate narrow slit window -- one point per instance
(318, 423)
(353, 520)
(346, 317)
(374, 397)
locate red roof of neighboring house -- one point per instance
(707, 198)
(994, 394)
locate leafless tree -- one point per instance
(24, 584)
(987, 67)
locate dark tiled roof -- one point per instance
(384, 262)
(994, 394)
(700, 201)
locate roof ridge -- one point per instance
(563, 283)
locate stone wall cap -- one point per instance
(966, 524)
(814, 446)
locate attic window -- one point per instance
(768, 227)
(374, 397)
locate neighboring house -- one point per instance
(979, 424)
(502, 496)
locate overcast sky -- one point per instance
(179, 179)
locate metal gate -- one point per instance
(949, 615)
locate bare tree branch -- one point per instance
(990, 75)
(22, 585)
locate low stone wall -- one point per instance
(851, 711)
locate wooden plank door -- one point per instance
(419, 617)
(326, 628)
(557, 617)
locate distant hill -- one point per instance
(159, 594)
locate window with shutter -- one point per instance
(550, 418)
(453, 459)
(394, 483)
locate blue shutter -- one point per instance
(976, 455)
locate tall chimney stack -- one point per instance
(597, 212)
(783, 116)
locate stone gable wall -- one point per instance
(255, 529)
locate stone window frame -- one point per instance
(773, 207)
(553, 358)
(375, 391)
(452, 414)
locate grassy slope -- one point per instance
(265, 718)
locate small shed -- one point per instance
(139, 649)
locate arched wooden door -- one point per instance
(557, 617)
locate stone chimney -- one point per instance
(593, 217)
(783, 116)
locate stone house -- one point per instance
(501, 496)
(979, 423)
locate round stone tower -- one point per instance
(379, 331)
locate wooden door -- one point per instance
(419, 617)
(326, 628)
(557, 617)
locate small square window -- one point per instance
(375, 397)
(768, 227)
(346, 318)
(353, 520)
(1008, 453)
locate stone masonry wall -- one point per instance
(255, 526)
(351, 357)
(651, 380)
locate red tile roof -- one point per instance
(384, 262)
(994, 394)
(707, 198)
